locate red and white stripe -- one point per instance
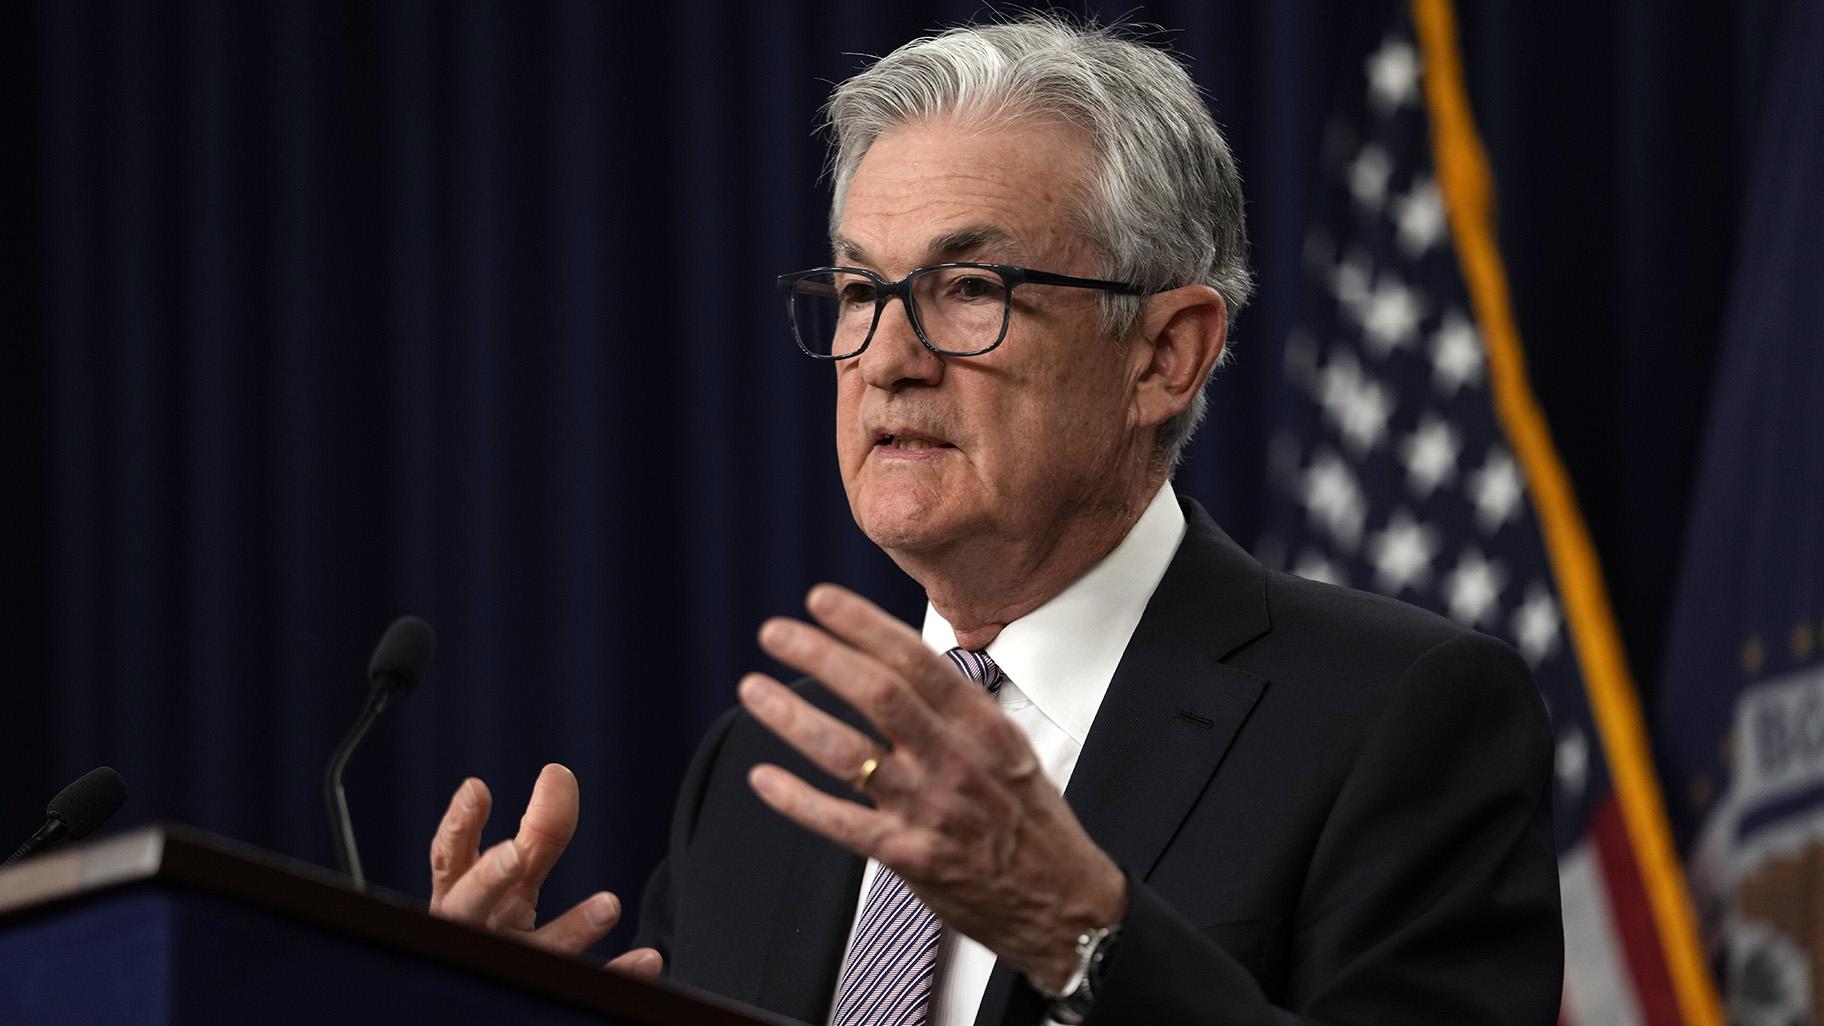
(1615, 966)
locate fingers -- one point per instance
(881, 635)
(580, 927)
(855, 827)
(835, 747)
(873, 688)
(548, 825)
(499, 890)
(474, 896)
(455, 846)
(643, 963)
(952, 702)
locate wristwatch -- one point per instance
(1071, 1005)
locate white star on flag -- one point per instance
(1402, 553)
(1430, 454)
(1419, 215)
(1572, 761)
(1472, 589)
(1536, 624)
(1334, 500)
(1349, 283)
(1357, 404)
(1456, 354)
(1495, 489)
(1368, 177)
(1391, 320)
(1393, 76)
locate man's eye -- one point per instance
(856, 294)
(975, 287)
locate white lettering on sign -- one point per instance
(1779, 731)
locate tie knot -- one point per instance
(978, 667)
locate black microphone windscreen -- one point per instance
(89, 800)
(404, 653)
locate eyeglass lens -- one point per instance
(961, 309)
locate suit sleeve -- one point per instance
(658, 905)
(1431, 895)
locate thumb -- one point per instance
(640, 963)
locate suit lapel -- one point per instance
(810, 929)
(1170, 714)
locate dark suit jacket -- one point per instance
(1331, 807)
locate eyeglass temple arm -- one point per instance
(1071, 282)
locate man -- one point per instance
(1286, 802)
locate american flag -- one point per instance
(1397, 466)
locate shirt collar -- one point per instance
(1063, 654)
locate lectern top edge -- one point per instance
(175, 856)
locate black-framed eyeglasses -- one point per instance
(958, 309)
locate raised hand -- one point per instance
(498, 889)
(961, 809)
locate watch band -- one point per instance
(1071, 1005)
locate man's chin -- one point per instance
(896, 537)
(906, 529)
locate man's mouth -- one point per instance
(908, 442)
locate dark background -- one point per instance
(320, 313)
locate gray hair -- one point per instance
(1164, 206)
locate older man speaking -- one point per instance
(1126, 774)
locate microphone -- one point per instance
(77, 810)
(399, 663)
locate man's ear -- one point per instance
(1182, 333)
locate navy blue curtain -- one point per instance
(328, 312)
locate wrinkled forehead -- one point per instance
(932, 191)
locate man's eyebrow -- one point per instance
(980, 236)
(945, 246)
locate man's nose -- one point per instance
(895, 357)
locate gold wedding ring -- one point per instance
(866, 773)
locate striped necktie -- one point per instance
(886, 980)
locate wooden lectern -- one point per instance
(166, 925)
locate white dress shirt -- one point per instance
(1059, 660)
